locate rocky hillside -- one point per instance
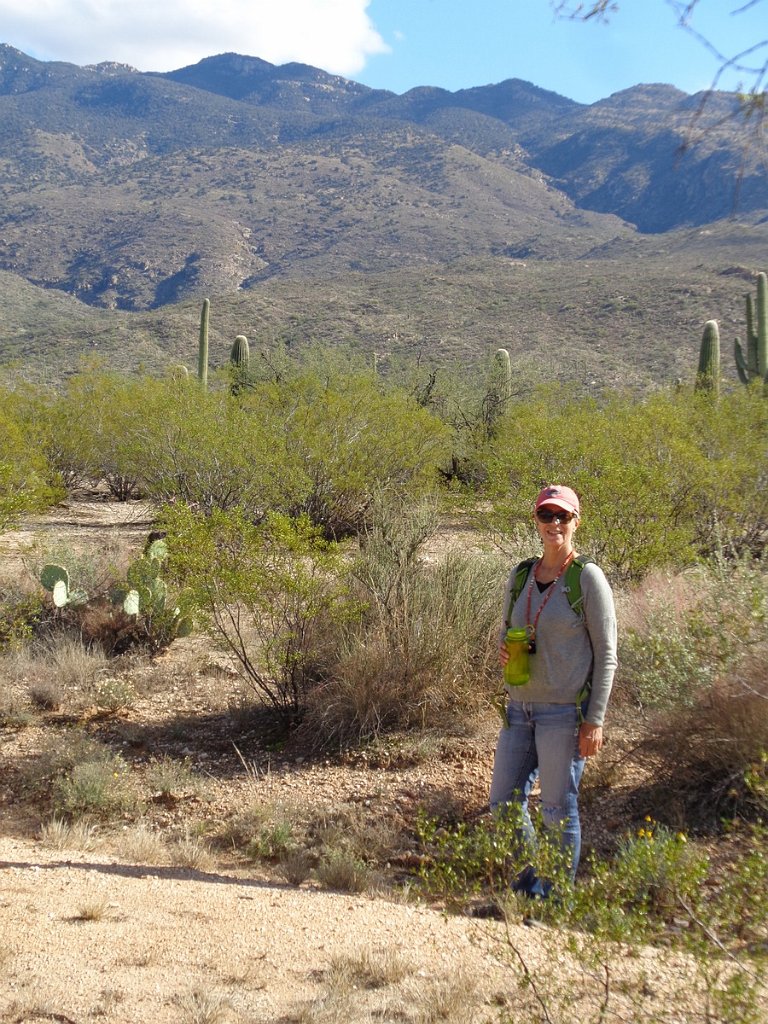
(133, 191)
(309, 207)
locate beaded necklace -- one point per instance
(531, 627)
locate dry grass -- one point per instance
(139, 845)
(201, 1006)
(453, 1000)
(59, 834)
(368, 968)
(379, 986)
(192, 853)
(59, 673)
(93, 910)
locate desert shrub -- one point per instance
(60, 753)
(343, 870)
(463, 859)
(114, 693)
(295, 866)
(169, 439)
(744, 884)
(662, 479)
(213, 451)
(654, 877)
(97, 610)
(167, 777)
(27, 481)
(351, 437)
(316, 440)
(682, 633)
(702, 752)
(421, 653)
(100, 789)
(93, 568)
(697, 658)
(20, 614)
(273, 595)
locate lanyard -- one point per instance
(531, 626)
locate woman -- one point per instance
(555, 720)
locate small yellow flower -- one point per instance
(681, 838)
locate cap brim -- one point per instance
(556, 503)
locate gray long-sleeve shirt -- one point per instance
(569, 648)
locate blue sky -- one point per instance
(460, 43)
(400, 44)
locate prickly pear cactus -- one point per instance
(52, 574)
(55, 579)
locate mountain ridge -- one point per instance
(137, 191)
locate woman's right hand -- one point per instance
(503, 655)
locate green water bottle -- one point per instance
(516, 669)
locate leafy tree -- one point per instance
(170, 440)
(351, 436)
(273, 594)
(27, 483)
(663, 479)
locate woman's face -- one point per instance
(557, 535)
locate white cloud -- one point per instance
(162, 35)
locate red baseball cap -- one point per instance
(560, 497)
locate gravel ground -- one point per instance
(85, 935)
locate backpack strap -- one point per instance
(518, 582)
(572, 583)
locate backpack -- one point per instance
(571, 579)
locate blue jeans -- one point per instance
(542, 741)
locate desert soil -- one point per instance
(95, 932)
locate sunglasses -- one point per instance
(549, 515)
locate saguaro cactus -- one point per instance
(202, 347)
(504, 368)
(240, 356)
(752, 364)
(708, 374)
(239, 359)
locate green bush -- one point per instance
(663, 479)
(311, 441)
(485, 857)
(673, 653)
(99, 789)
(170, 440)
(421, 654)
(27, 481)
(19, 615)
(273, 595)
(654, 877)
(352, 437)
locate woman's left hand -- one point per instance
(590, 739)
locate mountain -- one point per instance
(135, 192)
